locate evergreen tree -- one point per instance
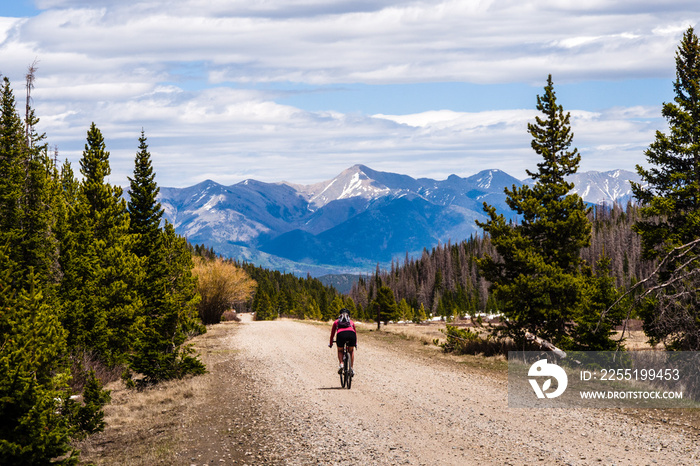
(420, 315)
(670, 223)
(596, 319)
(145, 212)
(537, 277)
(169, 313)
(101, 274)
(384, 306)
(88, 417)
(34, 377)
(11, 169)
(405, 313)
(169, 293)
(335, 307)
(38, 249)
(350, 306)
(263, 307)
(37, 422)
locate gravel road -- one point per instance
(404, 408)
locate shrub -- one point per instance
(467, 341)
(230, 315)
(221, 284)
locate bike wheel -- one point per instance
(348, 380)
(344, 372)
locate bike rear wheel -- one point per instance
(344, 372)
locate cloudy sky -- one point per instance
(299, 90)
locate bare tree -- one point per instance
(29, 119)
(671, 297)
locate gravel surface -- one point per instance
(276, 399)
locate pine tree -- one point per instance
(596, 319)
(336, 305)
(34, 372)
(384, 306)
(405, 313)
(169, 292)
(420, 315)
(671, 208)
(34, 377)
(145, 211)
(39, 247)
(101, 274)
(12, 174)
(169, 313)
(263, 307)
(537, 277)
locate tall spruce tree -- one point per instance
(145, 211)
(12, 164)
(670, 224)
(537, 275)
(169, 292)
(39, 247)
(169, 313)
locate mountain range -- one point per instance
(355, 221)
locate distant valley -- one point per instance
(358, 219)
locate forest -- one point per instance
(92, 287)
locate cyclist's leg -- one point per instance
(351, 346)
(340, 355)
(340, 341)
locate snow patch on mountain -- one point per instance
(211, 203)
(485, 181)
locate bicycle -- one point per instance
(346, 373)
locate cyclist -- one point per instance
(346, 333)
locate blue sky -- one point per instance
(298, 90)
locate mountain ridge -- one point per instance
(353, 221)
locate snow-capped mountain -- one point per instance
(605, 187)
(354, 221)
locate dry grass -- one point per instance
(144, 427)
(424, 333)
(635, 339)
(419, 340)
(141, 425)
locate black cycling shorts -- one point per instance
(347, 336)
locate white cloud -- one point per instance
(497, 41)
(189, 72)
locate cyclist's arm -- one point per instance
(333, 329)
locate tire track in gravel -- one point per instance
(406, 410)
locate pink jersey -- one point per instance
(335, 329)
